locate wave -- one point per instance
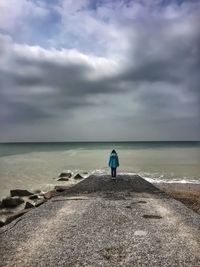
(154, 178)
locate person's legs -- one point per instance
(114, 172)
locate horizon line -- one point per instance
(140, 141)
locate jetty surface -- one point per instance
(104, 222)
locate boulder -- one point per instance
(12, 202)
(20, 193)
(65, 174)
(29, 205)
(63, 179)
(60, 189)
(1, 223)
(49, 194)
(33, 197)
(78, 176)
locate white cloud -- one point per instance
(15, 14)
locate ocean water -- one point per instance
(36, 165)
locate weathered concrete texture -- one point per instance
(104, 183)
(108, 228)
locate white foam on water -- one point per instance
(181, 181)
(155, 178)
(99, 172)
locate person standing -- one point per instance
(113, 163)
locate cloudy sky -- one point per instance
(102, 70)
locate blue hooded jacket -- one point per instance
(114, 161)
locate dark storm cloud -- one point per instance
(166, 52)
(67, 78)
(26, 98)
(35, 89)
(154, 71)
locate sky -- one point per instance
(99, 70)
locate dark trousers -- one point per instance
(113, 172)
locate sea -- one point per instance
(36, 166)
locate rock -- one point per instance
(60, 189)
(1, 223)
(29, 205)
(1, 206)
(12, 202)
(20, 193)
(65, 174)
(49, 194)
(33, 197)
(40, 202)
(63, 179)
(78, 176)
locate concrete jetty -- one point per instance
(104, 222)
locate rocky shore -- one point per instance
(20, 201)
